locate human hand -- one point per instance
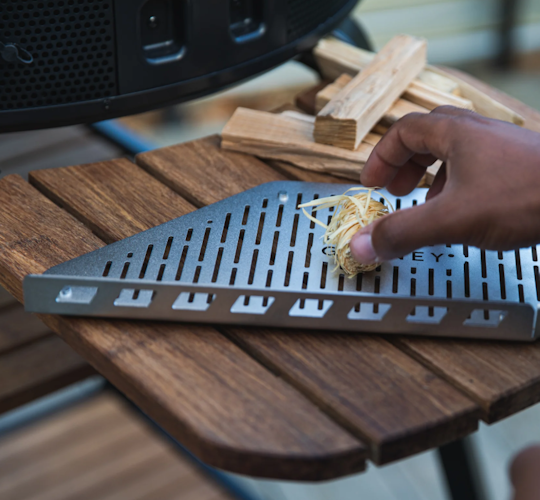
(525, 474)
(487, 193)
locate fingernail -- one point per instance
(362, 249)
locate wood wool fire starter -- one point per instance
(352, 212)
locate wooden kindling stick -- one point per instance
(358, 107)
(336, 58)
(289, 137)
(398, 110)
(416, 99)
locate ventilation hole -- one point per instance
(305, 281)
(189, 234)
(449, 272)
(341, 282)
(279, 216)
(413, 287)
(448, 289)
(225, 228)
(232, 281)
(398, 204)
(289, 268)
(197, 274)
(274, 248)
(431, 285)
(521, 293)
(253, 266)
(265, 205)
(500, 255)
(359, 280)
(298, 200)
(518, 265)
(269, 278)
(466, 282)
(485, 296)
(294, 229)
(483, 263)
(503, 282)
(181, 263)
(168, 248)
(465, 251)
(161, 272)
(537, 281)
(260, 229)
(124, 271)
(324, 272)
(239, 246)
(146, 261)
(395, 280)
(534, 254)
(204, 244)
(218, 265)
(246, 216)
(308, 250)
(107, 269)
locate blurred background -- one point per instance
(72, 446)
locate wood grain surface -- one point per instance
(100, 450)
(204, 159)
(362, 381)
(203, 389)
(18, 328)
(37, 370)
(353, 112)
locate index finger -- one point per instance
(415, 134)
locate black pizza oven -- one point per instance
(81, 61)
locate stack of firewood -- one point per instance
(368, 94)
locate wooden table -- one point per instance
(282, 404)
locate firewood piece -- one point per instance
(418, 98)
(431, 98)
(356, 109)
(335, 57)
(483, 103)
(290, 138)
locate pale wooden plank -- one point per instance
(290, 139)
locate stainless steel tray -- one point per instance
(254, 259)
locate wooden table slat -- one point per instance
(399, 410)
(198, 385)
(38, 369)
(18, 327)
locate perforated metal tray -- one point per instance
(254, 259)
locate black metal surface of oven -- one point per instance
(90, 60)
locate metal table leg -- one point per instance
(508, 17)
(461, 471)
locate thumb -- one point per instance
(404, 231)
